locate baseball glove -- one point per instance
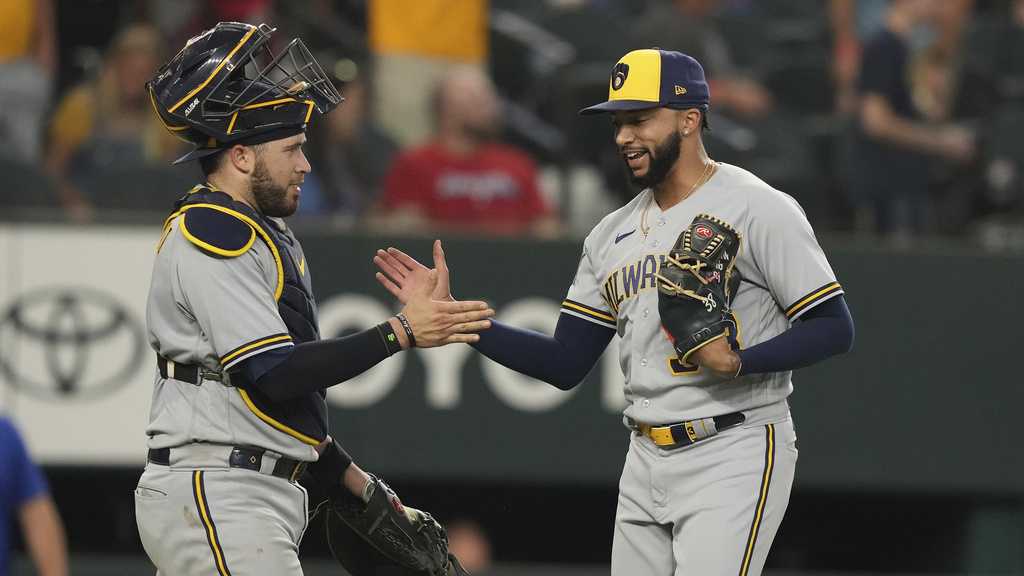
(403, 541)
(696, 283)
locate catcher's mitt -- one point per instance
(696, 283)
(402, 541)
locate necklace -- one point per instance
(709, 170)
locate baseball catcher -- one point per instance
(239, 410)
(696, 284)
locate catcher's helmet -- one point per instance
(227, 87)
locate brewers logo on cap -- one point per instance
(619, 74)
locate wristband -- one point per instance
(387, 334)
(408, 329)
(331, 465)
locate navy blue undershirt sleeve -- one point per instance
(562, 360)
(821, 332)
(288, 373)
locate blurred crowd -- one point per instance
(889, 118)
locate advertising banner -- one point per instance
(926, 399)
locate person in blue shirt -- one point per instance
(24, 493)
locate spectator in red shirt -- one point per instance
(463, 178)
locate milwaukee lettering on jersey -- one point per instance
(628, 281)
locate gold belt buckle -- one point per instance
(660, 435)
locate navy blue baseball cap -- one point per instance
(654, 78)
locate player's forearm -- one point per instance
(44, 536)
(562, 361)
(286, 374)
(824, 331)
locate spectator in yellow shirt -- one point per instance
(414, 44)
(107, 123)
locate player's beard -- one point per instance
(661, 160)
(271, 198)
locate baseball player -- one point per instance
(718, 289)
(238, 410)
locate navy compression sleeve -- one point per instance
(562, 360)
(286, 373)
(823, 331)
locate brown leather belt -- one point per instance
(688, 432)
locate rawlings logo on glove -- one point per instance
(696, 284)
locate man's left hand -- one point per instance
(719, 358)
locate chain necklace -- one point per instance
(709, 170)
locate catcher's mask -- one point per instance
(226, 87)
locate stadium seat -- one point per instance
(140, 189)
(24, 186)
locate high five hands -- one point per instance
(435, 317)
(403, 275)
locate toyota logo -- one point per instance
(62, 343)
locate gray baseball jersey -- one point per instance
(216, 312)
(784, 273)
(712, 507)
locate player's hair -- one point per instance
(210, 164)
(705, 126)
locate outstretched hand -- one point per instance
(403, 275)
(438, 322)
(435, 317)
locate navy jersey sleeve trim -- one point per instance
(254, 347)
(823, 331)
(813, 298)
(595, 315)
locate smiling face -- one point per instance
(649, 143)
(277, 177)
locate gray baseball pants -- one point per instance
(708, 509)
(200, 520)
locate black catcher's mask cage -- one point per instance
(294, 72)
(230, 92)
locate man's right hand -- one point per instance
(403, 275)
(435, 317)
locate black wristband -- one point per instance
(329, 469)
(387, 334)
(408, 329)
